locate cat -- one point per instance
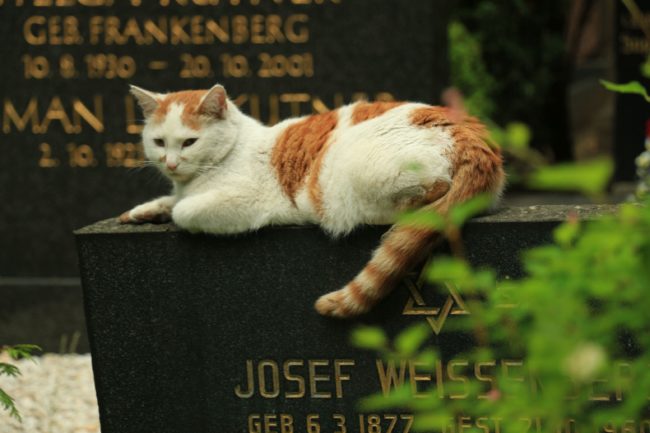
(363, 163)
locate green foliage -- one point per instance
(633, 87)
(19, 351)
(574, 330)
(590, 177)
(468, 71)
(522, 43)
(369, 338)
(579, 311)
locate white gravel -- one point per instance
(54, 395)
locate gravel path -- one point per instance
(54, 395)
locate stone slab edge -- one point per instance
(522, 214)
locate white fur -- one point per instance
(225, 183)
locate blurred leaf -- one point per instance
(518, 135)
(20, 351)
(7, 403)
(447, 269)
(369, 337)
(432, 422)
(466, 210)
(427, 358)
(633, 87)
(566, 233)
(422, 218)
(9, 370)
(410, 340)
(588, 177)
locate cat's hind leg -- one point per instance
(154, 211)
(401, 248)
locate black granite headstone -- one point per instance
(632, 111)
(181, 325)
(70, 130)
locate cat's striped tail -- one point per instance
(476, 169)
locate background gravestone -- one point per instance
(69, 140)
(632, 111)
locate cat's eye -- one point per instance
(159, 142)
(189, 142)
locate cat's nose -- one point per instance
(172, 165)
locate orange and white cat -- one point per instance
(363, 163)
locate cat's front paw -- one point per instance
(338, 304)
(147, 213)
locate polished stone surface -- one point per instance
(176, 319)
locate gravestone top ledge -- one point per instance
(515, 214)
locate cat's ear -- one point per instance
(214, 103)
(147, 100)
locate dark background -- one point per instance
(356, 47)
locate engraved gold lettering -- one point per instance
(506, 368)
(250, 384)
(296, 28)
(409, 422)
(239, 29)
(340, 423)
(55, 112)
(339, 377)
(270, 423)
(94, 119)
(392, 419)
(389, 377)
(257, 29)
(464, 423)
(451, 367)
(416, 377)
(481, 377)
(123, 154)
(318, 105)
(254, 424)
(482, 424)
(156, 31)
(132, 127)
(46, 160)
(30, 116)
(294, 100)
(313, 424)
(81, 155)
(314, 378)
(217, 30)
(275, 379)
(132, 31)
(440, 387)
(35, 36)
(37, 67)
(286, 423)
(300, 392)
(179, 35)
(273, 30)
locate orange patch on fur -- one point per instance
(357, 294)
(432, 116)
(299, 152)
(369, 110)
(189, 99)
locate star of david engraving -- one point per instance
(436, 316)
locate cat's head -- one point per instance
(186, 131)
